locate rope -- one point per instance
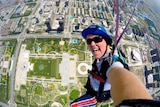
(118, 38)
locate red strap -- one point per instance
(97, 77)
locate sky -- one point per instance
(156, 2)
(155, 5)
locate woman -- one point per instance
(98, 87)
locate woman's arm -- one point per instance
(125, 85)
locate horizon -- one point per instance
(154, 4)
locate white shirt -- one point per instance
(94, 82)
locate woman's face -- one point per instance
(97, 45)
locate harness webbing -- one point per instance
(105, 65)
(97, 77)
(101, 76)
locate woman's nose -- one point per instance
(92, 43)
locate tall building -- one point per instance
(155, 55)
(53, 22)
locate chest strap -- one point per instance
(96, 76)
(100, 75)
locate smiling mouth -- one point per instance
(95, 49)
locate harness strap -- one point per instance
(96, 76)
(104, 67)
(100, 92)
(100, 76)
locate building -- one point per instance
(155, 55)
(152, 77)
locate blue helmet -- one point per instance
(97, 30)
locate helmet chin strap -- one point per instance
(108, 49)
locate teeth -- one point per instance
(95, 49)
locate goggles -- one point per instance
(95, 39)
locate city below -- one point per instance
(44, 60)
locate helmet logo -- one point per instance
(100, 28)
(92, 26)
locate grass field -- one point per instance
(45, 68)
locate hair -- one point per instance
(108, 42)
